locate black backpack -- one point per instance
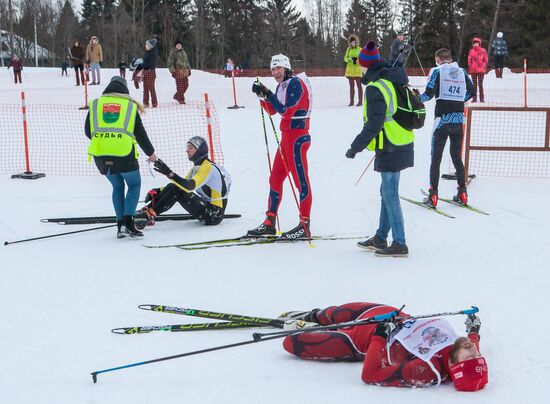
(411, 112)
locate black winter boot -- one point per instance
(121, 231)
(266, 229)
(373, 244)
(130, 227)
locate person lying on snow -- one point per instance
(401, 353)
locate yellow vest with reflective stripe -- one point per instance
(394, 133)
(112, 123)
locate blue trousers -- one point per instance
(125, 205)
(391, 216)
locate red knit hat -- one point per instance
(369, 54)
(470, 375)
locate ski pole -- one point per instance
(57, 235)
(366, 168)
(369, 320)
(290, 182)
(167, 358)
(268, 154)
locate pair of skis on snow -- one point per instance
(440, 211)
(225, 321)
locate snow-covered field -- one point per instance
(59, 298)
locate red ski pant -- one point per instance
(478, 85)
(294, 152)
(182, 83)
(149, 77)
(340, 344)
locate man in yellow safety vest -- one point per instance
(392, 144)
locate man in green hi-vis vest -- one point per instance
(392, 144)
(114, 126)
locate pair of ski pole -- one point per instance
(260, 337)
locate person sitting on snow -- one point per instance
(399, 352)
(203, 193)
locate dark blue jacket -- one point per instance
(391, 158)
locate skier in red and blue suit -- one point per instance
(292, 100)
(400, 353)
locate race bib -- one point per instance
(452, 82)
(425, 338)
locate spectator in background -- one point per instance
(17, 68)
(122, 68)
(78, 54)
(64, 67)
(477, 63)
(353, 70)
(178, 65)
(228, 68)
(500, 51)
(148, 73)
(94, 56)
(398, 51)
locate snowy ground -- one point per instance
(60, 298)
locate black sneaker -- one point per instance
(130, 227)
(267, 228)
(373, 244)
(299, 232)
(394, 250)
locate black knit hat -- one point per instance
(177, 41)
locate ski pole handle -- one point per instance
(473, 310)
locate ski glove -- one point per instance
(161, 167)
(260, 90)
(350, 154)
(152, 195)
(473, 324)
(385, 329)
(416, 92)
(354, 60)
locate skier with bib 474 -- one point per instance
(292, 100)
(398, 352)
(452, 87)
(392, 144)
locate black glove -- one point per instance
(152, 195)
(385, 329)
(161, 167)
(415, 92)
(473, 324)
(350, 154)
(100, 64)
(260, 90)
(354, 60)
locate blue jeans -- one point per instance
(96, 72)
(391, 216)
(125, 205)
